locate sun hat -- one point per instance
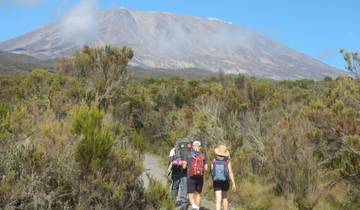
(196, 143)
(222, 150)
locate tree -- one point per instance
(103, 70)
(352, 60)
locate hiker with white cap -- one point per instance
(197, 165)
(222, 175)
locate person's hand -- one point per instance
(184, 164)
(233, 187)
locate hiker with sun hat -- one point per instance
(222, 175)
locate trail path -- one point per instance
(153, 165)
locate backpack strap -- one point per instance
(227, 161)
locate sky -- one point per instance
(318, 28)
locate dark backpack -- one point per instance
(197, 166)
(181, 149)
(220, 170)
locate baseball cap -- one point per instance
(196, 143)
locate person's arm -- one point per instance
(231, 174)
(205, 163)
(171, 155)
(186, 162)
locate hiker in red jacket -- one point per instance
(196, 167)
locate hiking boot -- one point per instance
(184, 207)
(178, 203)
(194, 207)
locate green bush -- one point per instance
(253, 195)
(96, 140)
(158, 197)
(138, 142)
(4, 120)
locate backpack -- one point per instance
(220, 170)
(181, 149)
(197, 165)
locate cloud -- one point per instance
(79, 24)
(177, 38)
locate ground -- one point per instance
(154, 166)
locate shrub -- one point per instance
(158, 197)
(96, 140)
(4, 120)
(138, 142)
(253, 195)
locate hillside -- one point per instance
(11, 63)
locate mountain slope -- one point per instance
(11, 63)
(169, 41)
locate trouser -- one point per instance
(179, 186)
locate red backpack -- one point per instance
(197, 166)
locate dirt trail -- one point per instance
(153, 165)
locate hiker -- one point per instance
(196, 165)
(222, 174)
(178, 171)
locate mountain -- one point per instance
(11, 63)
(171, 41)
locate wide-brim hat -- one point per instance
(222, 150)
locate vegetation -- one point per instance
(352, 60)
(74, 138)
(12, 63)
(60, 147)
